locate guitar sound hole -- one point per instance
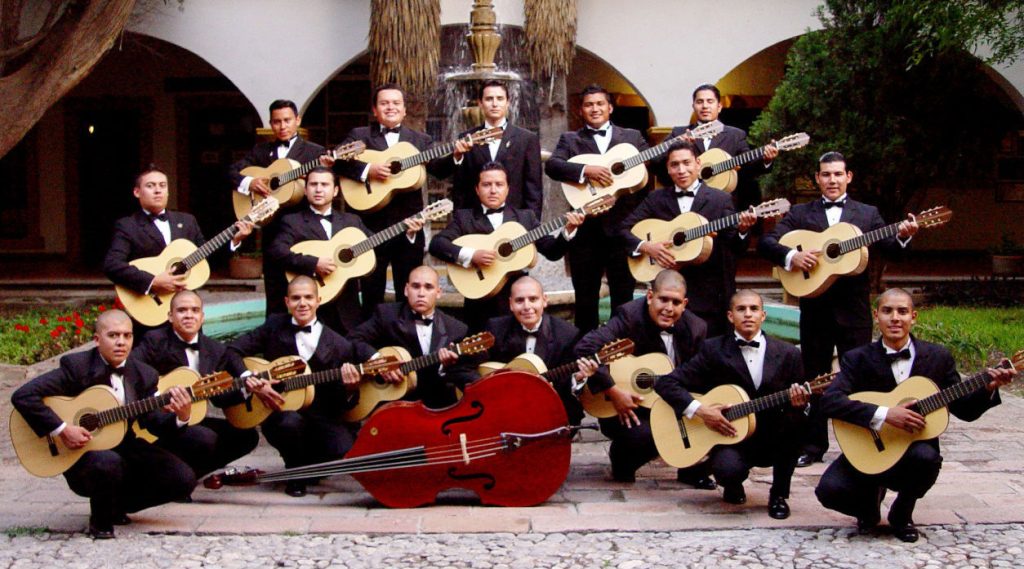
(178, 268)
(705, 172)
(89, 422)
(678, 238)
(505, 249)
(345, 255)
(832, 250)
(618, 168)
(396, 167)
(275, 183)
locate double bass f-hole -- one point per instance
(488, 485)
(475, 405)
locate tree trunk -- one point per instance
(59, 62)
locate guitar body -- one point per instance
(530, 363)
(373, 390)
(253, 412)
(831, 265)
(645, 268)
(339, 248)
(726, 181)
(181, 377)
(628, 181)
(378, 194)
(288, 194)
(36, 453)
(684, 442)
(628, 373)
(482, 282)
(859, 446)
(152, 309)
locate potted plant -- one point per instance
(1007, 257)
(247, 262)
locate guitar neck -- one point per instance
(737, 161)
(292, 175)
(210, 247)
(567, 369)
(131, 410)
(379, 238)
(538, 232)
(425, 360)
(776, 399)
(650, 153)
(950, 394)
(427, 155)
(712, 226)
(315, 378)
(868, 238)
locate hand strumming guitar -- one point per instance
(75, 437)
(379, 172)
(260, 186)
(165, 282)
(484, 257)
(624, 403)
(713, 417)
(263, 389)
(658, 250)
(598, 175)
(902, 417)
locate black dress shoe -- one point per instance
(906, 532)
(100, 530)
(734, 495)
(808, 459)
(295, 488)
(620, 476)
(867, 525)
(698, 482)
(778, 508)
(121, 520)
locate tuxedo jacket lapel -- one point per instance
(508, 138)
(439, 337)
(148, 228)
(587, 143)
(772, 361)
(734, 356)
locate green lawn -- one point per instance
(978, 337)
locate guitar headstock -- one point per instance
(615, 350)
(476, 343)
(262, 210)
(773, 208)
(485, 135)
(793, 141)
(213, 385)
(705, 130)
(233, 476)
(934, 216)
(285, 370)
(599, 206)
(820, 383)
(349, 151)
(437, 209)
(379, 365)
(1017, 361)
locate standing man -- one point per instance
(284, 122)
(213, 443)
(401, 254)
(598, 248)
(490, 212)
(760, 365)
(881, 366)
(147, 232)
(711, 284)
(840, 318)
(134, 475)
(416, 325)
(518, 150)
(659, 323)
(317, 433)
(528, 330)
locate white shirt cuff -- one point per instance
(243, 186)
(879, 418)
(365, 174)
(458, 161)
(180, 423)
(465, 257)
(636, 252)
(691, 409)
(56, 432)
(583, 177)
(569, 234)
(788, 265)
(904, 243)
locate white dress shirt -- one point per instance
(901, 372)
(281, 151)
(531, 336)
(324, 222)
(306, 342)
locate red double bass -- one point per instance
(507, 440)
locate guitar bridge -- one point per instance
(366, 184)
(685, 433)
(807, 275)
(879, 443)
(479, 274)
(52, 446)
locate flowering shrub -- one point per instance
(33, 335)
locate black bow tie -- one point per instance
(326, 216)
(494, 210)
(903, 354)
(752, 343)
(685, 194)
(838, 204)
(111, 370)
(285, 143)
(421, 318)
(162, 216)
(386, 130)
(596, 132)
(307, 328)
(533, 333)
(182, 344)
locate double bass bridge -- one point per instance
(512, 441)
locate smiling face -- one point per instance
(596, 109)
(321, 190)
(666, 305)
(492, 189)
(152, 192)
(683, 167)
(746, 313)
(832, 178)
(186, 315)
(527, 302)
(389, 108)
(896, 317)
(422, 291)
(285, 123)
(706, 105)
(302, 300)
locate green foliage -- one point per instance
(977, 337)
(904, 116)
(22, 531)
(33, 335)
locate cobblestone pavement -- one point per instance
(941, 546)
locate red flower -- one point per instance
(21, 327)
(101, 308)
(79, 323)
(43, 321)
(54, 333)
(117, 304)
(60, 328)
(78, 331)
(76, 315)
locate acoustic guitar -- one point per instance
(690, 234)
(718, 168)
(844, 251)
(373, 390)
(407, 170)
(515, 248)
(352, 250)
(873, 452)
(532, 363)
(633, 374)
(627, 165)
(684, 442)
(286, 178)
(297, 390)
(180, 257)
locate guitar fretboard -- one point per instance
(719, 224)
(315, 378)
(565, 370)
(868, 238)
(378, 238)
(133, 409)
(427, 155)
(950, 394)
(651, 153)
(736, 161)
(292, 175)
(539, 231)
(757, 405)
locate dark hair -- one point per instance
(708, 87)
(387, 87)
(284, 104)
(895, 291)
(149, 170)
(595, 88)
(682, 145)
(745, 292)
(492, 166)
(491, 83)
(832, 156)
(324, 170)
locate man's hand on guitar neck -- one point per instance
(624, 403)
(244, 230)
(908, 228)
(263, 389)
(180, 403)
(1000, 377)
(598, 175)
(165, 282)
(462, 146)
(412, 226)
(902, 417)
(659, 252)
(573, 220)
(713, 418)
(75, 437)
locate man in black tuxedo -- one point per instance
(385, 132)
(420, 328)
(528, 330)
(518, 150)
(707, 105)
(659, 323)
(598, 248)
(317, 433)
(284, 122)
(490, 212)
(881, 366)
(840, 318)
(133, 475)
(147, 232)
(212, 443)
(761, 366)
(712, 283)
